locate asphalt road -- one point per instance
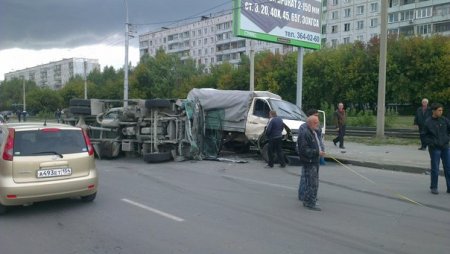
(224, 207)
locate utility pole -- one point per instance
(299, 76)
(252, 66)
(23, 90)
(85, 80)
(125, 81)
(382, 71)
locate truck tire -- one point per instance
(80, 110)
(157, 103)
(80, 102)
(157, 157)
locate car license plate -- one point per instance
(54, 172)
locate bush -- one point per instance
(361, 119)
(390, 116)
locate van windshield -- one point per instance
(287, 110)
(39, 142)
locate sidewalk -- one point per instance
(391, 157)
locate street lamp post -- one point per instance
(23, 95)
(125, 81)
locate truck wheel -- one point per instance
(80, 102)
(157, 157)
(157, 103)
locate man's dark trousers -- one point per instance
(275, 147)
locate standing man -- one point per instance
(274, 135)
(437, 137)
(302, 128)
(309, 152)
(340, 118)
(421, 116)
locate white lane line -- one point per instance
(259, 182)
(153, 210)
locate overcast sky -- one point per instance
(34, 32)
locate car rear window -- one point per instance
(48, 141)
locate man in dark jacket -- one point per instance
(274, 135)
(437, 137)
(422, 114)
(340, 119)
(309, 152)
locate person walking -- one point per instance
(309, 153)
(437, 137)
(274, 135)
(340, 118)
(58, 115)
(301, 186)
(422, 114)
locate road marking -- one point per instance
(153, 210)
(259, 182)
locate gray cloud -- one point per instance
(41, 24)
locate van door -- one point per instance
(257, 119)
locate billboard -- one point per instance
(291, 22)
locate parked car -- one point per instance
(45, 161)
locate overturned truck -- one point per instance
(198, 127)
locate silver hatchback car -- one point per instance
(43, 161)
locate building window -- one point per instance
(360, 25)
(205, 41)
(373, 22)
(424, 12)
(199, 52)
(407, 15)
(360, 10)
(324, 29)
(346, 40)
(424, 29)
(334, 29)
(347, 27)
(335, 2)
(393, 17)
(373, 7)
(347, 12)
(193, 43)
(334, 43)
(335, 15)
(360, 38)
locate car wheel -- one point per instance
(80, 102)
(157, 157)
(2, 209)
(157, 103)
(89, 198)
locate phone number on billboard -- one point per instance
(303, 36)
(308, 37)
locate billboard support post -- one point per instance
(299, 76)
(252, 66)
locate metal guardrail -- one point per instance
(371, 132)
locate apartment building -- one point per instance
(55, 74)
(346, 21)
(208, 41)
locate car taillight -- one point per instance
(9, 146)
(88, 143)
